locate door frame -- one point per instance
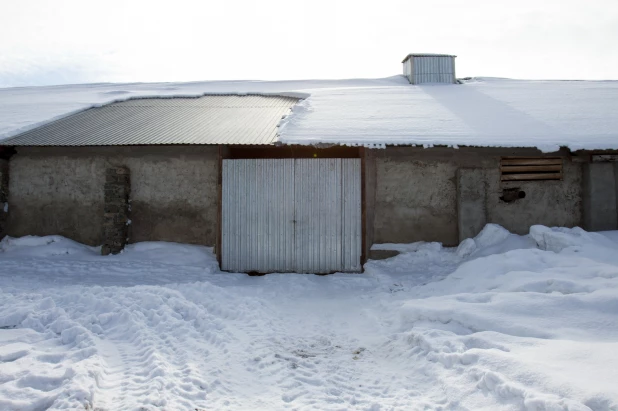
(227, 152)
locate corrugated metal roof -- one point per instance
(426, 55)
(212, 119)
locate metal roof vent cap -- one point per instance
(422, 68)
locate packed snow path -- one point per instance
(504, 322)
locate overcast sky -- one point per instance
(76, 41)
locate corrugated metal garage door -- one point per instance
(291, 215)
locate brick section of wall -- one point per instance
(4, 196)
(116, 208)
(471, 202)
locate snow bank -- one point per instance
(558, 238)
(151, 251)
(47, 246)
(377, 112)
(168, 253)
(534, 328)
(506, 322)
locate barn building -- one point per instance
(284, 182)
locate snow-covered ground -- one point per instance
(503, 322)
(377, 112)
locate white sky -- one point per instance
(78, 41)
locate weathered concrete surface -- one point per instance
(60, 191)
(57, 195)
(416, 194)
(415, 201)
(600, 188)
(116, 210)
(471, 202)
(555, 203)
(4, 196)
(174, 198)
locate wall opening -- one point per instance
(530, 168)
(512, 194)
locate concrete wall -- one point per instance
(4, 195)
(551, 203)
(411, 194)
(60, 191)
(56, 194)
(417, 195)
(174, 196)
(600, 200)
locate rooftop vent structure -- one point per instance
(429, 68)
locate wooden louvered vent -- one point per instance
(530, 168)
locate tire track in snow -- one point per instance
(314, 357)
(156, 357)
(112, 389)
(201, 346)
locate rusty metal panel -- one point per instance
(212, 119)
(258, 215)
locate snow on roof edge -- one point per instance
(350, 112)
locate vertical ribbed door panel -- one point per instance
(291, 215)
(258, 215)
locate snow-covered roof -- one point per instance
(483, 112)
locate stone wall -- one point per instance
(4, 196)
(60, 190)
(417, 195)
(116, 210)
